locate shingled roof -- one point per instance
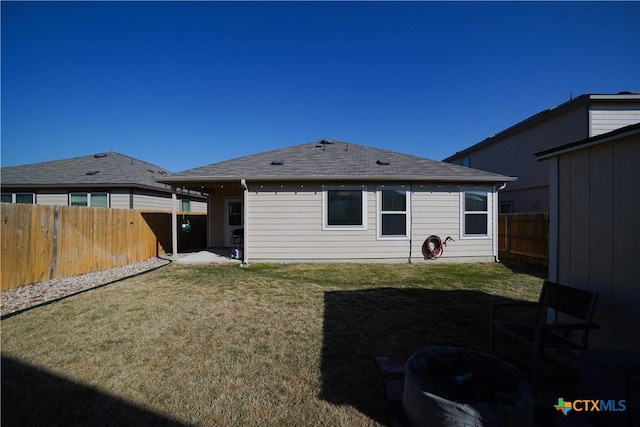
(97, 170)
(328, 159)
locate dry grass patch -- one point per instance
(224, 345)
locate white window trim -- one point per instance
(379, 212)
(327, 227)
(89, 193)
(14, 197)
(488, 212)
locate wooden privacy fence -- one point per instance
(44, 242)
(524, 238)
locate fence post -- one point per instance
(54, 254)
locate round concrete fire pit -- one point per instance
(450, 386)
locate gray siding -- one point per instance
(598, 233)
(285, 224)
(513, 155)
(606, 118)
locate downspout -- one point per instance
(245, 201)
(496, 250)
(174, 222)
(410, 221)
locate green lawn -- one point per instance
(232, 346)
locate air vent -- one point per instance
(327, 141)
(277, 162)
(100, 155)
(382, 163)
(93, 172)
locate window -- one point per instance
(506, 207)
(344, 208)
(235, 213)
(99, 200)
(186, 205)
(6, 198)
(475, 213)
(78, 199)
(94, 200)
(465, 161)
(393, 213)
(24, 198)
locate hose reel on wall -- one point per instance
(433, 246)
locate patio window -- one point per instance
(344, 209)
(475, 214)
(393, 213)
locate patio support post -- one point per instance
(174, 222)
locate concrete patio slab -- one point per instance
(206, 257)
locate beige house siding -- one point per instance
(151, 202)
(198, 206)
(52, 199)
(598, 232)
(120, 198)
(286, 224)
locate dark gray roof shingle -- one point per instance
(96, 170)
(333, 159)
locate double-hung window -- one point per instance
(344, 208)
(475, 213)
(393, 213)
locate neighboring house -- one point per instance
(594, 229)
(107, 180)
(336, 201)
(511, 152)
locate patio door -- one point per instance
(233, 219)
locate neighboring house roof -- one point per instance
(96, 170)
(328, 159)
(582, 100)
(598, 139)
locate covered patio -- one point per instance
(226, 213)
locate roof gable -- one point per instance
(332, 159)
(96, 170)
(583, 101)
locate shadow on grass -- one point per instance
(518, 268)
(362, 324)
(33, 397)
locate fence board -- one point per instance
(524, 238)
(44, 242)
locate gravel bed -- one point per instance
(28, 296)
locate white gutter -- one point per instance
(245, 204)
(418, 178)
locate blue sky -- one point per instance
(183, 85)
